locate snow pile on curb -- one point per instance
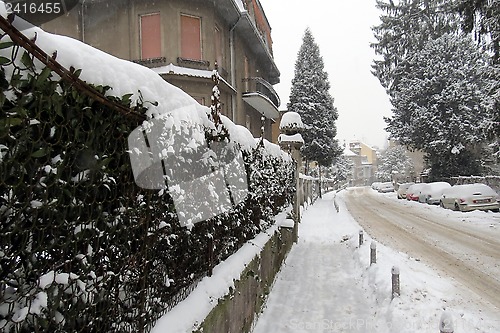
(424, 294)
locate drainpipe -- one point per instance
(83, 21)
(233, 70)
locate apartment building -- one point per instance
(182, 40)
(364, 162)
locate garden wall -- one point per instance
(236, 311)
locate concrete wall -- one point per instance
(238, 310)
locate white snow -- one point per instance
(184, 71)
(328, 285)
(291, 119)
(295, 138)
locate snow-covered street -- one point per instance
(328, 285)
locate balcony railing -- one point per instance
(261, 86)
(152, 62)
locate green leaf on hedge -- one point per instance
(44, 75)
(9, 122)
(26, 60)
(4, 61)
(6, 45)
(39, 153)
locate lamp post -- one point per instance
(290, 138)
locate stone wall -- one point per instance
(237, 311)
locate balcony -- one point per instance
(260, 95)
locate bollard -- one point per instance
(395, 281)
(373, 253)
(446, 323)
(360, 238)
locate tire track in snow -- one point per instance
(431, 241)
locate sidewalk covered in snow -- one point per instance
(328, 285)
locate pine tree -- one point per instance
(310, 97)
(483, 18)
(406, 25)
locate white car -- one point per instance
(470, 197)
(431, 193)
(402, 189)
(386, 187)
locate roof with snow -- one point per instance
(291, 121)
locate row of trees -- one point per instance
(444, 85)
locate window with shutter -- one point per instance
(150, 36)
(191, 37)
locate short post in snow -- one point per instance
(373, 253)
(395, 282)
(360, 238)
(446, 323)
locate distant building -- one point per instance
(181, 40)
(364, 160)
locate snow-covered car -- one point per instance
(470, 197)
(413, 191)
(431, 193)
(386, 187)
(402, 189)
(376, 185)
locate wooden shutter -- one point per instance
(150, 36)
(190, 37)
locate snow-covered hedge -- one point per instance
(82, 247)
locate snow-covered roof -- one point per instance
(348, 152)
(172, 69)
(291, 120)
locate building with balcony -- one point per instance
(182, 40)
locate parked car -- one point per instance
(431, 193)
(470, 197)
(376, 185)
(403, 188)
(413, 191)
(386, 187)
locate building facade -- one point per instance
(183, 40)
(364, 163)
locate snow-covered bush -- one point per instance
(82, 247)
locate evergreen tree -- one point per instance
(342, 169)
(406, 25)
(483, 18)
(310, 98)
(395, 160)
(441, 105)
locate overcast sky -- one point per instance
(341, 28)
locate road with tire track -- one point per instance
(467, 252)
